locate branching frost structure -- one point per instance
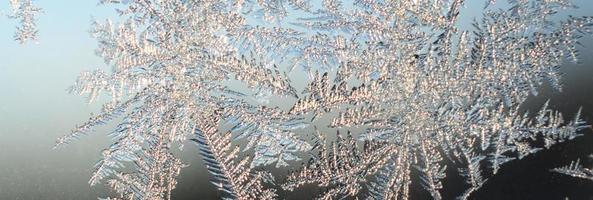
(576, 169)
(25, 12)
(425, 93)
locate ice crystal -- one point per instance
(25, 12)
(575, 169)
(235, 179)
(423, 92)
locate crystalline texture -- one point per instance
(421, 91)
(575, 169)
(25, 12)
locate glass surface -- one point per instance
(35, 109)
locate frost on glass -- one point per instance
(367, 95)
(25, 13)
(576, 169)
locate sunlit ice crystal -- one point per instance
(356, 97)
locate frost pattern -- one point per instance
(575, 169)
(234, 178)
(422, 93)
(25, 12)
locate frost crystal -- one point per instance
(575, 169)
(25, 12)
(407, 89)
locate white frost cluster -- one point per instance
(25, 12)
(395, 89)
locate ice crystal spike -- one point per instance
(575, 169)
(403, 87)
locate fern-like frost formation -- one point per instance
(368, 95)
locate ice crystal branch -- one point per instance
(575, 169)
(232, 177)
(432, 171)
(421, 90)
(25, 12)
(340, 166)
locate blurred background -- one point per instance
(35, 109)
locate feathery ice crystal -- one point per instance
(25, 12)
(575, 169)
(402, 83)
